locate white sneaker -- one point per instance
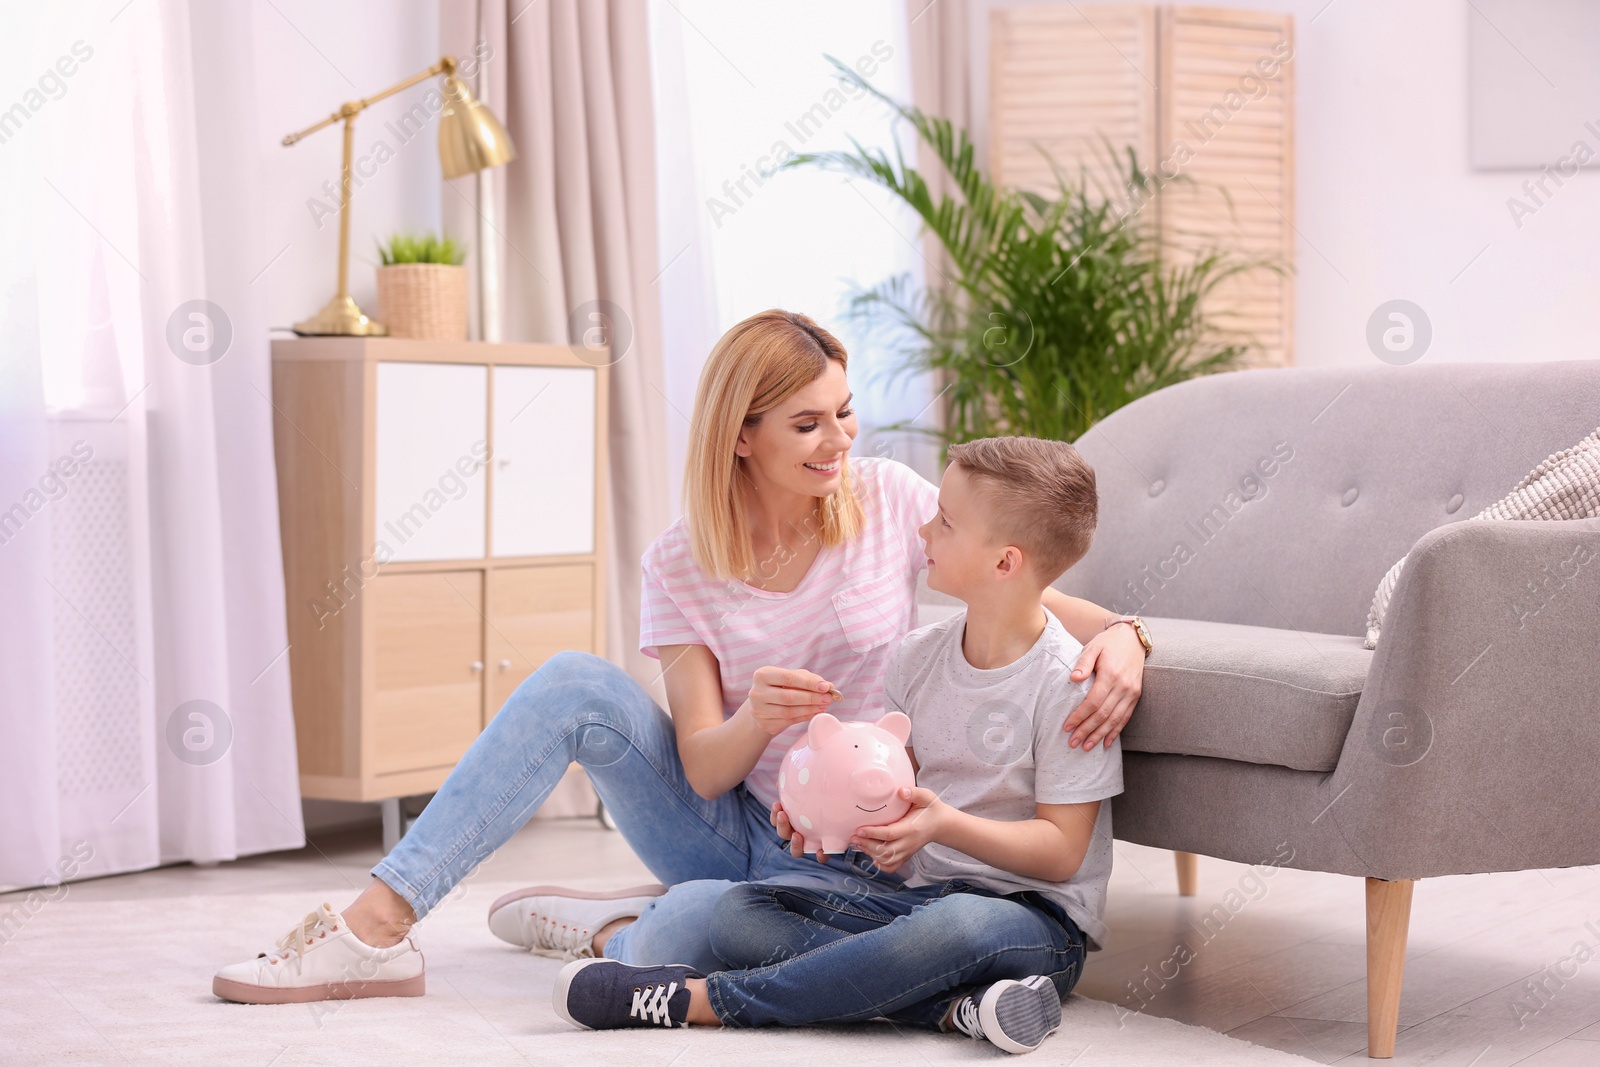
(553, 921)
(322, 960)
(1011, 1015)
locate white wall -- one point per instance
(311, 57)
(1388, 207)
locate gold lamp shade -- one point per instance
(470, 139)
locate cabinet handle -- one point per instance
(505, 665)
(478, 665)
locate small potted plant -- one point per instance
(422, 288)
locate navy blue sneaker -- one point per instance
(1011, 1015)
(602, 994)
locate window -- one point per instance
(737, 87)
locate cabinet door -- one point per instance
(544, 461)
(432, 439)
(535, 612)
(428, 669)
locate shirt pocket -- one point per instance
(872, 611)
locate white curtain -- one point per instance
(144, 689)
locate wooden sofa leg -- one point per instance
(1388, 919)
(1188, 873)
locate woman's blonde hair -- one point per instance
(755, 366)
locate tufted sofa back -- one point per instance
(1280, 497)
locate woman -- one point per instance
(795, 555)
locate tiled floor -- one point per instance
(1280, 961)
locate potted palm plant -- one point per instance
(1056, 311)
(422, 288)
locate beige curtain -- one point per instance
(940, 66)
(568, 230)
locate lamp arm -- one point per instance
(446, 65)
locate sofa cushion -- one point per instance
(1252, 693)
(1565, 486)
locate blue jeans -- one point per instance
(799, 955)
(579, 707)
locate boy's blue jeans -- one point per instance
(579, 707)
(798, 955)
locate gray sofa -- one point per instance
(1249, 517)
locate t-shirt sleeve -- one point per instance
(661, 621)
(1063, 774)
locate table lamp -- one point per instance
(470, 139)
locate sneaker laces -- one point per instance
(651, 1003)
(554, 937)
(315, 927)
(965, 1018)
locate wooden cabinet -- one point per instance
(440, 505)
(537, 612)
(427, 650)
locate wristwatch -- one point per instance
(1139, 628)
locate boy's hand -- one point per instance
(892, 845)
(789, 835)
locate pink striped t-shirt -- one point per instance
(842, 621)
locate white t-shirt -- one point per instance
(841, 622)
(990, 743)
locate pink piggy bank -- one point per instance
(843, 775)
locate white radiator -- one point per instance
(100, 739)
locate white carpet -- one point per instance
(129, 981)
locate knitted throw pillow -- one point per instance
(1565, 486)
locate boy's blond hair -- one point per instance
(1042, 496)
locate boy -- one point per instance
(1008, 840)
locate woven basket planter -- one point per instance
(423, 300)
